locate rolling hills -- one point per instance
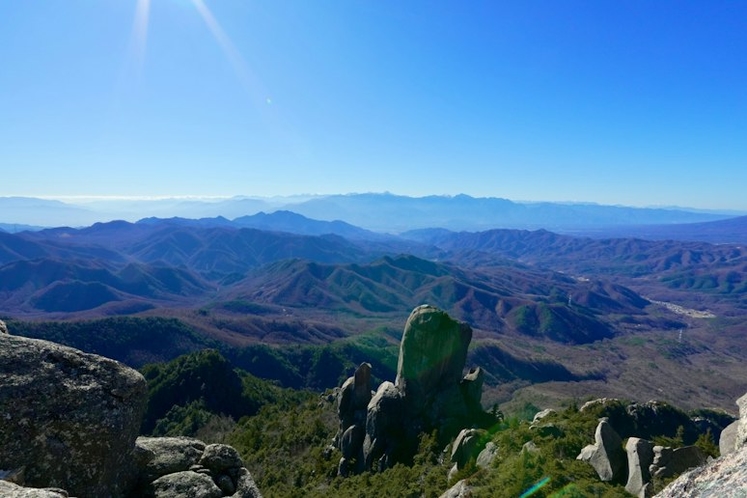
(555, 316)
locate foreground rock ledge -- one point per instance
(69, 419)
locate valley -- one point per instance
(556, 317)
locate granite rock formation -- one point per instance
(606, 454)
(69, 419)
(725, 477)
(430, 393)
(69, 426)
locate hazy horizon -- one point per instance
(633, 104)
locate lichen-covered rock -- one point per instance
(169, 455)
(384, 427)
(429, 394)
(725, 477)
(12, 490)
(220, 458)
(606, 454)
(68, 417)
(432, 354)
(245, 485)
(186, 484)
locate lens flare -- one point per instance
(246, 77)
(539, 485)
(140, 34)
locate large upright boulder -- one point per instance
(640, 457)
(432, 353)
(352, 407)
(606, 454)
(69, 418)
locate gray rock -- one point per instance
(530, 447)
(471, 386)
(169, 455)
(352, 408)
(245, 485)
(429, 393)
(487, 455)
(186, 484)
(742, 427)
(727, 442)
(467, 446)
(678, 461)
(725, 477)
(226, 484)
(3, 327)
(384, 427)
(606, 454)
(542, 414)
(220, 458)
(662, 457)
(11, 490)
(640, 457)
(68, 417)
(459, 490)
(431, 355)
(353, 397)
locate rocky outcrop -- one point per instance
(352, 407)
(3, 327)
(69, 419)
(180, 466)
(669, 462)
(69, 427)
(429, 394)
(12, 490)
(487, 456)
(727, 443)
(725, 477)
(741, 441)
(467, 446)
(640, 457)
(459, 490)
(606, 454)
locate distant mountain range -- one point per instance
(385, 213)
(575, 313)
(118, 267)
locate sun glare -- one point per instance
(140, 33)
(140, 37)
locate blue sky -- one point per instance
(631, 102)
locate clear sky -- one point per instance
(617, 102)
